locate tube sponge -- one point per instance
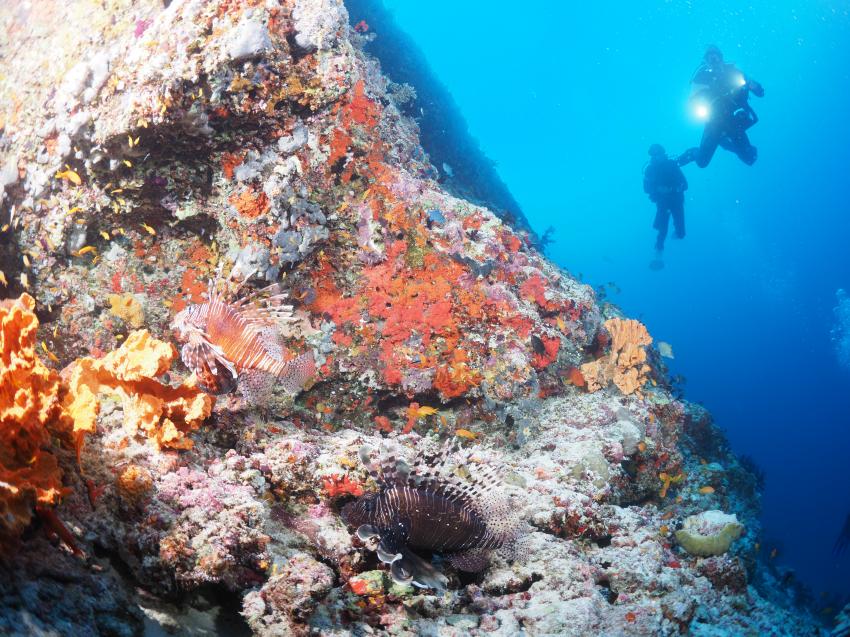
(29, 403)
(709, 533)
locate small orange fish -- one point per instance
(706, 490)
(465, 433)
(631, 617)
(576, 377)
(641, 446)
(664, 529)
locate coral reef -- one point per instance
(30, 406)
(147, 148)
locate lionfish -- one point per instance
(230, 344)
(430, 508)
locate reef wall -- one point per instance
(144, 148)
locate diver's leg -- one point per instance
(745, 151)
(677, 209)
(662, 220)
(710, 138)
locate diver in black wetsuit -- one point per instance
(720, 92)
(665, 184)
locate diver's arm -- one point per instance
(755, 88)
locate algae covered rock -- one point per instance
(709, 533)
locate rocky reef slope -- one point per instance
(144, 147)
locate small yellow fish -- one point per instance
(665, 349)
(25, 282)
(706, 490)
(561, 325)
(69, 175)
(86, 250)
(425, 411)
(757, 546)
(26, 260)
(149, 230)
(50, 354)
(105, 234)
(5, 227)
(73, 210)
(3, 279)
(465, 433)
(128, 163)
(130, 141)
(664, 530)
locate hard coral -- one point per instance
(625, 364)
(29, 404)
(164, 413)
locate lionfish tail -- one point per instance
(297, 373)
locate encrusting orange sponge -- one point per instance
(625, 365)
(29, 404)
(162, 412)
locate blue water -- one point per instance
(567, 97)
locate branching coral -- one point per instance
(625, 364)
(164, 413)
(29, 404)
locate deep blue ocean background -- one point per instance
(567, 97)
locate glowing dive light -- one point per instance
(702, 111)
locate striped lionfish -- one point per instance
(239, 343)
(431, 508)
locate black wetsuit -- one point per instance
(725, 91)
(665, 184)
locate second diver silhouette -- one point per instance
(665, 184)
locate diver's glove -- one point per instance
(756, 88)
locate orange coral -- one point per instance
(625, 365)
(336, 485)
(250, 203)
(164, 413)
(135, 482)
(29, 404)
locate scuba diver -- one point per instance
(720, 92)
(665, 184)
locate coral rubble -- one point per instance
(145, 147)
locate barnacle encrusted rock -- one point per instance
(162, 412)
(709, 533)
(29, 403)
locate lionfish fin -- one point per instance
(409, 568)
(215, 374)
(480, 490)
(471, 561)
(256, 386)
(295, 374)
